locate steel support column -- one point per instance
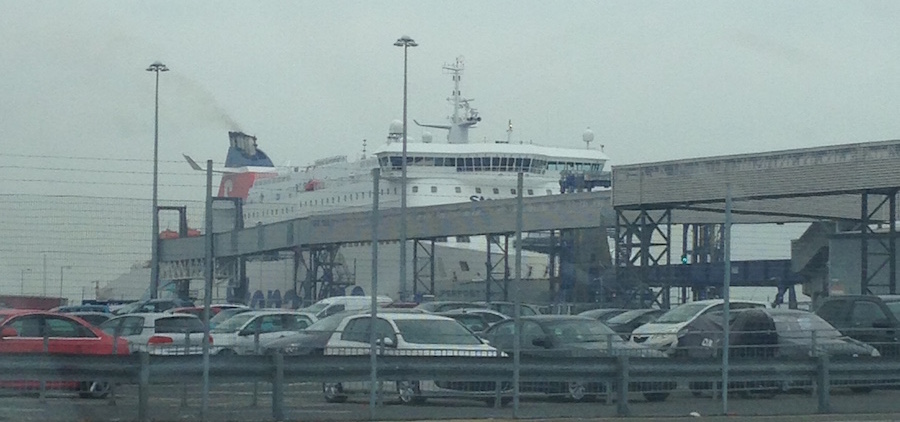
(641, 243)
(326, 274)
(497, 272)
(423, 274)
(885, 201)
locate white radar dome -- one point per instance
(426, 137)
(396, 127)
(587, 136)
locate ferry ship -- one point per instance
(451, 171)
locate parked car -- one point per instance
(770, 334)
(245, 332)
(158, 333)
(213, 309)
(443, 306)
(570, 336)
(81, 308)
(509, 308)
(23, 331)
(867, 318)
(662, 333)
(476, 320)
(153, 305)
(335, 304)
(628, 321)
(409, 334)
(93, 318)
(602, 314)
(225, 314)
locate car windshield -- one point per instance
(626, 317)
(681, 313)
(802, 325)
(315, 308)
(432, 331)
(233, 324)
(178, 325)
(581, 331)
(894, 307)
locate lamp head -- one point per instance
(405, 41)
(157, 67)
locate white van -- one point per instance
(662, 334)
(335, 304)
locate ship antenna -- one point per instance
(364, 149)
(509, 131)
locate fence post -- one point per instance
(42, 397)
(257, 324)
(823, 384)
(278, 387)
(144, 387)
(187, 351)
(622, 401)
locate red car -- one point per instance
(22, 331)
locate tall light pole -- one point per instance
(61, 268)
(156, 67)
(405, 42)
(22, 286)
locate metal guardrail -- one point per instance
(143, 370)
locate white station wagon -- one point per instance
(409, 334)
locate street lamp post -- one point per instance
(61, 268)
(22, 286)
(156, 67)
(405, 42)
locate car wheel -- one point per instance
(226, 352)
(576, 391)
(656, 397)
(94, 389)
(861, 390)
(408, 392)
(334, 392)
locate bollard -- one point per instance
(622, 401)
(144, 387)
(278, 387)
(823, 384)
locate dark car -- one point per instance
(627, 321)
(509, 308)
(443, 306)
(93, 318)
(153, 305)
(602, 314)
(870, 319)
(312, 340)
(476, 320)
(570, 336)
(81, 308)
(769, 334)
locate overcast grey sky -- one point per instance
(655, 80)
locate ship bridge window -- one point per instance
(434, 189)
(496, 191)
(397, 163)
(458, 189)
(415, 189)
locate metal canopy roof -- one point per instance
(773, 187)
